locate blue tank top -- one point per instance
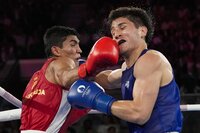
(166, 115)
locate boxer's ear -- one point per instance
(56, 50)
(143, 31)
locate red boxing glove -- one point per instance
(104, 53)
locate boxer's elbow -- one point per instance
(139, 116)
(142, 118)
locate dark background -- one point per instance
(23, 23)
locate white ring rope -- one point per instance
(10, 98)
(15, 114)
(9, 115)
(190, 107)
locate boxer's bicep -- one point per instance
(64, 74)
(114, 78)
(109, 79)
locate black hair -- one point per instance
(138, 16)
(55, 36)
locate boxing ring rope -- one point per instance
(10, 98)
(14, 114)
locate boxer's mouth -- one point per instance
(121, 41)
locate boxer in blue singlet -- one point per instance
(150, 95)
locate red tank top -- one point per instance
(41, 102)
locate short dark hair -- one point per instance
(138, 16)
(55, 36)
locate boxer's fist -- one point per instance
(90, 95)
(104, 53)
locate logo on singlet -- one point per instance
(35, 92)
(127, 84)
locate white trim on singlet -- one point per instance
(61, 115)
(32, 131)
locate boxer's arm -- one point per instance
(63, 72)
(110, 79)
(145, 91)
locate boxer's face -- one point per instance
(71, 48)
(126, 34)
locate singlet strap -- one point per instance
(143, 52)
(46, 64)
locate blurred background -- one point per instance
(23, 23)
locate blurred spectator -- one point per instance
(111, 129)
(87, 127)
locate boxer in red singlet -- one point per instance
(45, 107)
